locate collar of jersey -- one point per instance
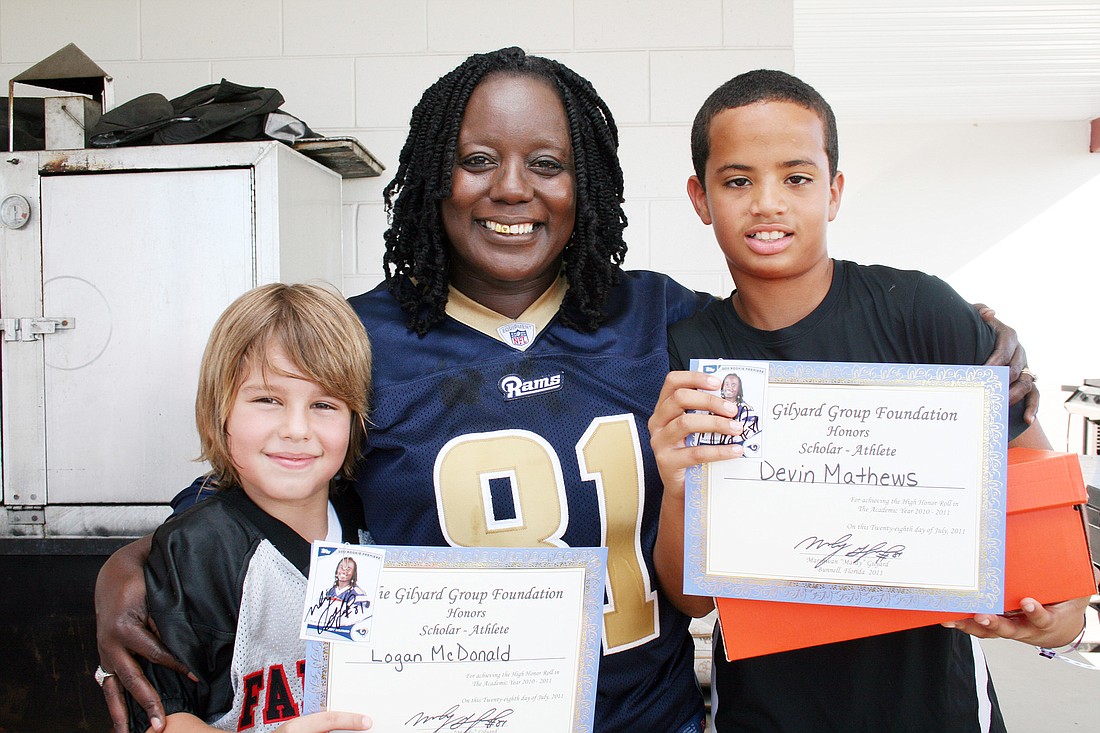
(467, 311)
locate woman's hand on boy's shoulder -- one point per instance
(122, 630)
(1007, 351)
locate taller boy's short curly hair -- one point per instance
(316, 330)
(417, 259)
(762, 85)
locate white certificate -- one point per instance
(877, 485)
(472, 639)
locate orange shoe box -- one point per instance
(1046, 558)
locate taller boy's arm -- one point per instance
(669, 427)
(1053, 625)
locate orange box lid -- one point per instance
(1039, 479)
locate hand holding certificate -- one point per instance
(866, 485)
(472, 639)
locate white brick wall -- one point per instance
(469, 26)
(387, 88)
(171, 29)
(104, 30)
(352, 27)
(611, 24)
(683, 79)
(757, 24)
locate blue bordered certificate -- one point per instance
(877, 485)
(472, 639)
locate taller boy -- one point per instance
(765, 152)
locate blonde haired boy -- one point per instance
(281, 412)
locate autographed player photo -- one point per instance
(745, 384)
(341, 592)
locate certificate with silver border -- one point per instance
(879, 485)
(472, 639)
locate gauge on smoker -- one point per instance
(15, 211)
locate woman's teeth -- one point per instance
(508, 229)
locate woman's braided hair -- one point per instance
(417, 259)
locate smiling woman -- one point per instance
(531, 142)
(510, 213)
(515, 416)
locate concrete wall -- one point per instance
(997, 210)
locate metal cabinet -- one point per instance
(114, 265)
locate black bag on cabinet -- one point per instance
(221, 112)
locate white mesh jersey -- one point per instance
(226, 584)
(268, 667)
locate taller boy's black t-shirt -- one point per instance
(919, 680)
(871, 313)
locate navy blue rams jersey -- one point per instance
(490, 431)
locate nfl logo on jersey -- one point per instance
(517, 335)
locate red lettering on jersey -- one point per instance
(253, 684)
(301, 665)
(280, 702)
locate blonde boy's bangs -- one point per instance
(319, 334)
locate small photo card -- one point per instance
(744, 383)
(341, 592)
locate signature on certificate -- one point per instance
(453, 718)
(879, 551)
